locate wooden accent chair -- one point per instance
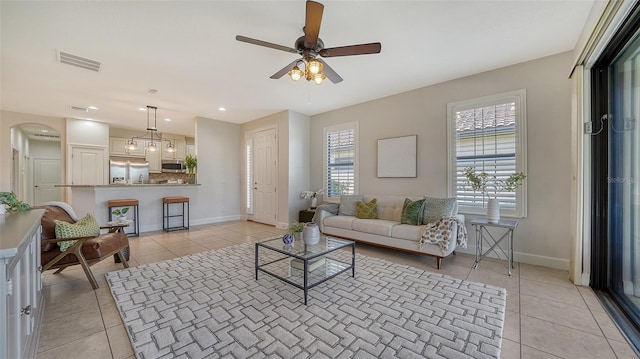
(86, 252)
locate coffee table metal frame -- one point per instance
(306, 253)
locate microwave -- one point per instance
(173, 166)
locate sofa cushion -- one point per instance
(412, 212)
(407, 231)
(374, 226)
(348, 204)
(436, 208)
(367, 210)
(344, 222)
(84, 227)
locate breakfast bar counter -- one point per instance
(93, 199)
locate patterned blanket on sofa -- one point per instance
(441, 231)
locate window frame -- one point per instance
(519, 98)
(325, 132)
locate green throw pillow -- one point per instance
(437, 208)
(84, 227)
(412, 212)
(367, 210)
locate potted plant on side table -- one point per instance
(191, 162)
(491, 186)
(121, 214)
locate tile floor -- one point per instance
(547, 316)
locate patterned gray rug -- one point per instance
(209, 305)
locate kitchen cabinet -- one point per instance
(181, 150)
(191, 150)
(117, 147)
(21, 300)
(154, 159)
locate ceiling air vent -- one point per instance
(78, 61)
(45, 135)
(78, 108)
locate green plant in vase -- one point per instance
(121, 214)
(296, 229)
(191, 163)
(480, 182)
(12, 204)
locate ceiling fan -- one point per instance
(310, 46)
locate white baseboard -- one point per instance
(282, 225)
(533, 259)
(586, 278)
(195, 222)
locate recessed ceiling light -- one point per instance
(221, 109)
(142, 109)
(167, 119)
(45, 131)
(92, 108)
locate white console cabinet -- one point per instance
(21, 302)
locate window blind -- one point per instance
(340, 170)
(486, 141)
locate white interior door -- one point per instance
(46, 174)
(87, 166)
(265, 177)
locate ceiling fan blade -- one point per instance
(329, 72)
(265, 44)
(284, 70)
(362, 49)
(312, 24)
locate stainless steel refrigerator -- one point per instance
(128, 170)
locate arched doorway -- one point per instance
(36, 163)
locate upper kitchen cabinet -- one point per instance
(179, 154)
(153, 157)
(117, 148)
(191, 150)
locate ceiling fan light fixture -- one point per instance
(318, 78)
(314, 66)
(295, 73)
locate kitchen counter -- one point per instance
(137, 185)
(93, 199)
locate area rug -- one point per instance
(210, 305)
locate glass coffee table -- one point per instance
(301, 265)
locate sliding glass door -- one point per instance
(616, 178)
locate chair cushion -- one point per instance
(51, 214)
(436, 208)
(92, 248)
(412, 212)
(85, 227)
(367, 210)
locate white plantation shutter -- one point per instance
(488, 135)
(340, 154)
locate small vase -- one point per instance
(493, 210)
(314, 203)
(311, 234)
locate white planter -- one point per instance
(311, 234)
(493, 210)
(314, 203)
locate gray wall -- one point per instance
(543, 237)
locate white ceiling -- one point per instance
(187, 51)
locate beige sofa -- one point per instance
(387, 231)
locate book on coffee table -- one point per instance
(313, 263)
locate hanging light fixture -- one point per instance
(151, 136)
(312, 70)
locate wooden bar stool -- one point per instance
(166, 201)
(120, 203)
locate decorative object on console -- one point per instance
(287, 238)
(367, 210)
(311, 234)
(11, 203)
(313, 196)
(151, 136)
(491, 186)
